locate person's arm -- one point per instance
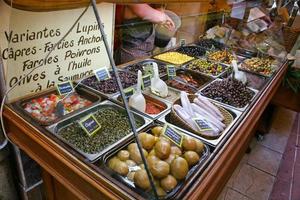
(148, 13)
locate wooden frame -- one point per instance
(44, 5)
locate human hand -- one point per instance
(168, 22)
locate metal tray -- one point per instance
(227, 105)
(202, 73)
(169, 98)
(181, 187)
(214, 142)
(165, 106)
(201, 79)
(244, 52)
(100, 92)
(159, 63)
(79, 90)
(170, 63)
(54, 129)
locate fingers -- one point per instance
(168, 23)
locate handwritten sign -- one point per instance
(102, 74)
(202, 124)
(129, 92)
(26, 37)
(90, 125)
(65, 88)
(173, 135)
(171, 71)
(146, 81)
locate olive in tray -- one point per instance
(192, 51)
(168, 163)
(229, 91)
(134, 68)
(110, 86)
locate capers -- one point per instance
(114, 126)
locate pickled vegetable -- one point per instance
(192, 50)
(152, 109)
(181, 86)
(211, 44)
(221, 56)
(114, 126)
(206, 67)
(43, 108)
(141, 179)
(140, 66)
(165, 161)
(259, 65)
(174, 58)
(179, 168)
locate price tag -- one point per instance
(90, 125)
(202, 124)
(182, 42)
(146, 81)
(129, 92)
(102, 74)
(173, 135)
(171, 71)
(148, 69)
(65, 88)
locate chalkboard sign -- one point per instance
(90, 125)
(173, 135)
(171, 71)
(102, 74)
(129, 92)
(65, 88)
(182, 42)
(146, 81)
(202, 124)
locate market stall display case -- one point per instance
(76, 166)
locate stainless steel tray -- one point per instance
(181, 187)
(159, 102)
(227, 105)
(159, 63)
(81, 91)
(100, 92)
(214, 142)
(202, 73)
(55, 128)
(201, 79)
